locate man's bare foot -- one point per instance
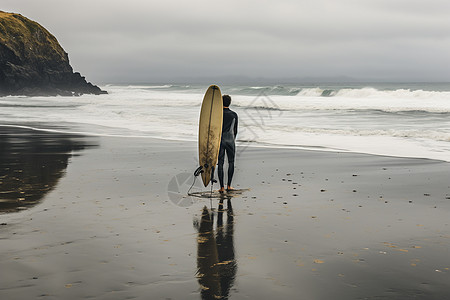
(222, 190)
(230, 188)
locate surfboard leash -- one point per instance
(197, 172)
(210, 195)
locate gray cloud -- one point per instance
(142, 41)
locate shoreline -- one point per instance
(240, 144)
(117, 223)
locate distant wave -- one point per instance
(301, 91)
(268, 90)
(368, 92)
(350, 92)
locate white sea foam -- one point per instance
(399, 122)
(360, 100)
(311, 92)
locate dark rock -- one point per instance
(33, 63)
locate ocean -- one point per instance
(406, 120)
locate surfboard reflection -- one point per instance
(31, 164)
(216, 263)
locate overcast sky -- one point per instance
(157, 41)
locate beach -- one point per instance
(334, 117)
(111, 219)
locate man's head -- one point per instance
(226, 100)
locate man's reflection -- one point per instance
(215, 255)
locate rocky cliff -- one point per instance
(32, 62)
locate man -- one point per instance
(227, 144)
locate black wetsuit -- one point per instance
(229, 132)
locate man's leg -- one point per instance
(231, 152)
(220, 165)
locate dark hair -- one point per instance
(226, 100)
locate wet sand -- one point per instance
(111, 219)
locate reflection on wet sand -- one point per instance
(31, 163)
(216, 261)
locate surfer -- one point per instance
(227, 143)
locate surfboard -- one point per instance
(210, 132)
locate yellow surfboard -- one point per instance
(210, 131)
